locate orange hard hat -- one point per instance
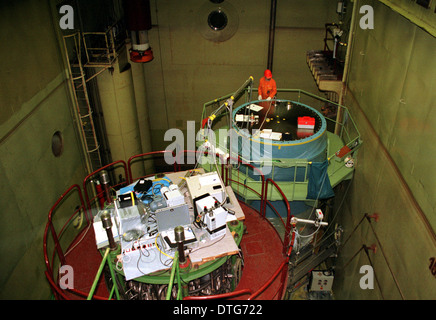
(267, 73)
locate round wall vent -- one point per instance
(57, 144)
(217, 21)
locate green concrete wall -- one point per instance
(189, 70)
(34, 104)
(391, 96)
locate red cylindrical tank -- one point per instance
(100, 195)
(138, 22)
(138, 15)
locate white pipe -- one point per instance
(315, 222)
(349, 45)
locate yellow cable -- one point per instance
(155, 243)
(133, 198)
(163, 178)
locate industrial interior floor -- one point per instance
(261, 246)
(301, 290)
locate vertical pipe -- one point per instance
(348, 54)
(349, 46)
(272, 27)
(179, 234)
(106, 186)
(118, 104)
(99, 192)
(142, 110)
(113, 275)
(138, 21)
(107, 225)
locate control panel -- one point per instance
(321, 280)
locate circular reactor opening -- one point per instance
(217, 20)
(286, 118)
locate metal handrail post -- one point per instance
(112, 272)
(172, 276)
(288, 215)
(97, 276)
(181, 291)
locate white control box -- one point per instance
(207, 202)
(321, 281)
(207, 183)
(215, 222)
(172, 195)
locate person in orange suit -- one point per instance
(267, 90)
(267, 86)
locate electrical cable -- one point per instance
(210, 244)
(213, 151)
(310, 235)
(266, 114)
(340, 205)
(157, 246)
(140, 255)
(78, 242)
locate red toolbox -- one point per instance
(306, 123)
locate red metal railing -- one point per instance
(50, 227)
(287, 250)
(283, 268)
(49, 262)
(259, 172)
(288, 213)
(87, 179)
(142, 155)
(87, 207)
(221, 296)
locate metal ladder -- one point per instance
(83, 108)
